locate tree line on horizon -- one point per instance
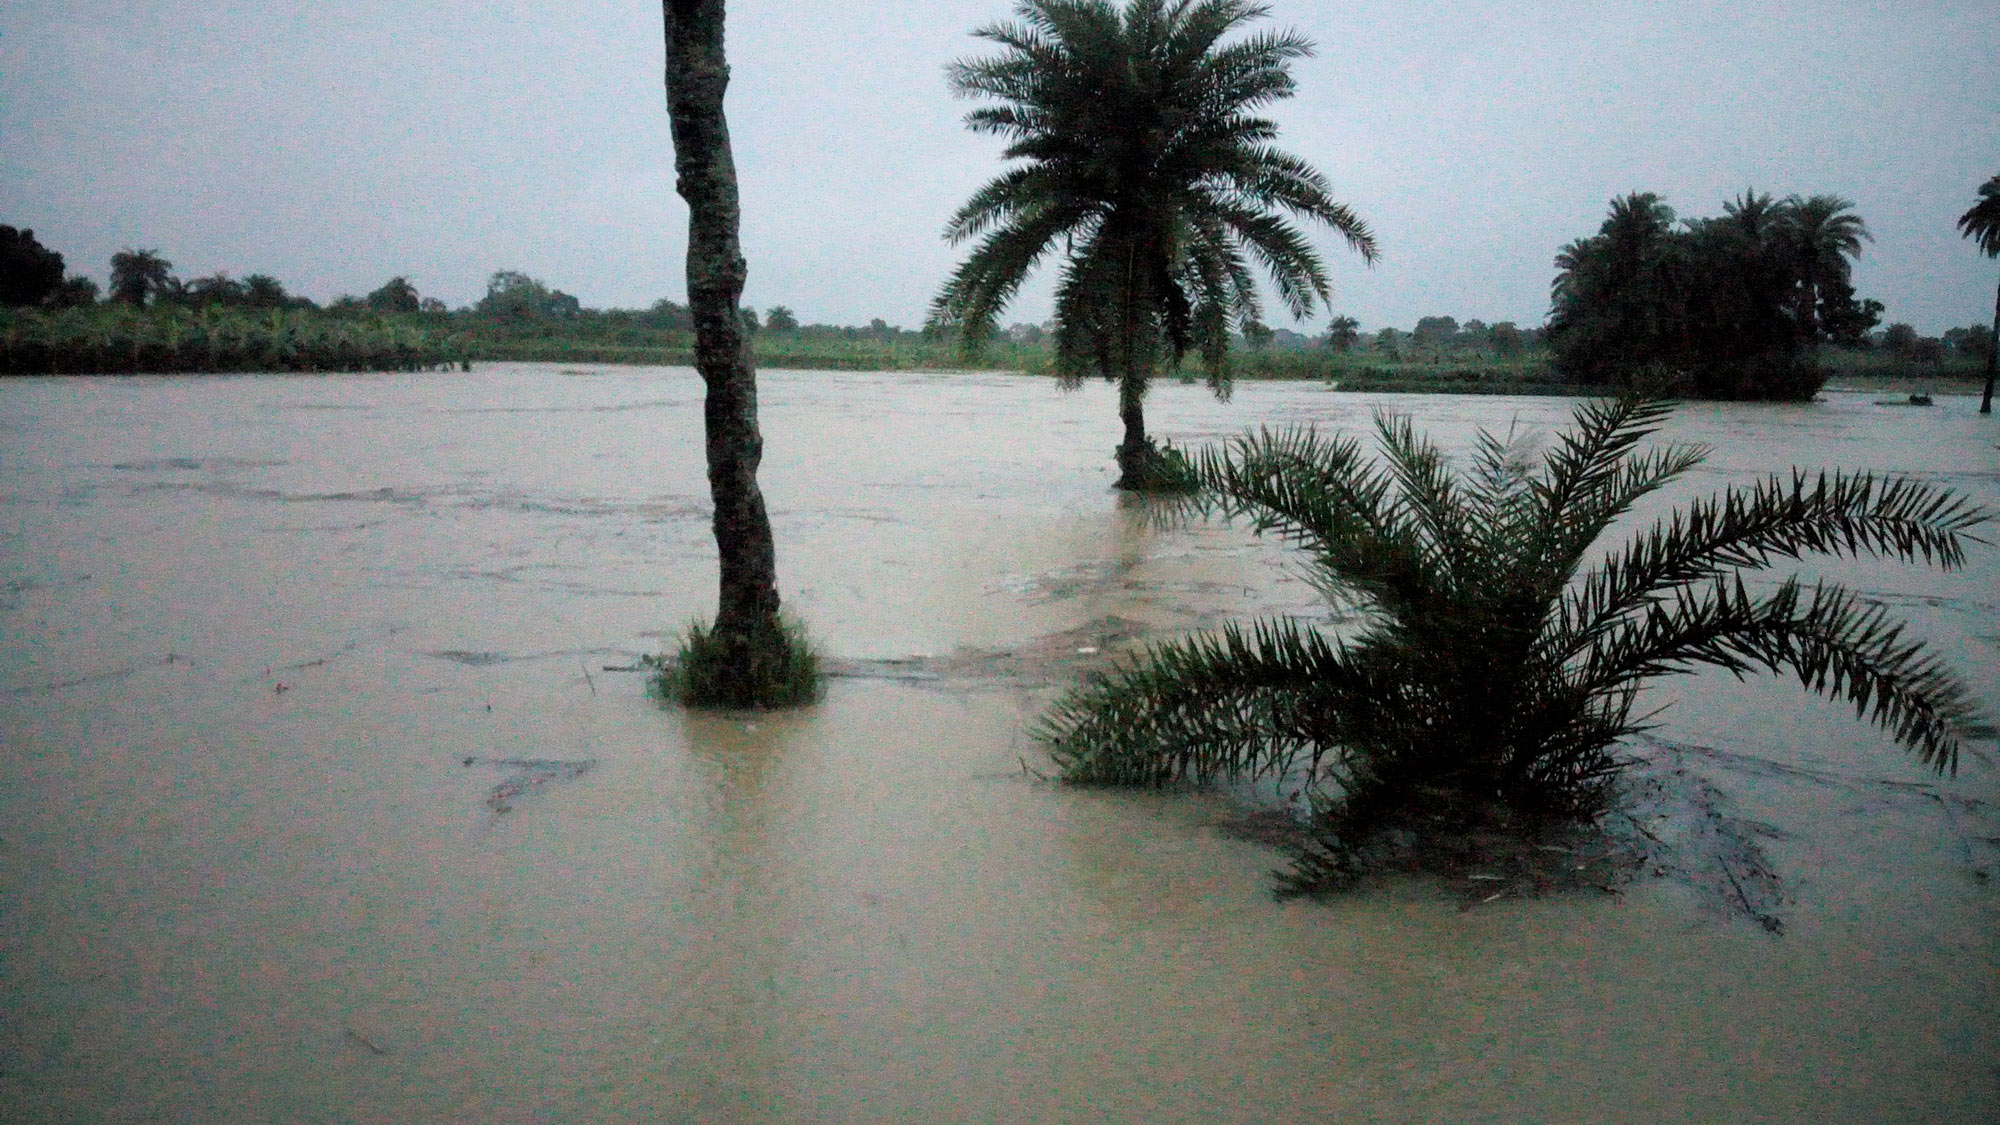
(520, 309)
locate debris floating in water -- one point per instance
(529, 775)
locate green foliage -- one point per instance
(1494, 673)
(1844, 321)
(29, 272)
(75, 292)
(218, 289)
(1975, 341)
(1866, 366)
(1434, 330)
(1738, 304)
(116, 338)
(514, 296)
(670, 316)
(262, 291)
(778, 318)
(1160, 470)
(769, 668)
(396, 296)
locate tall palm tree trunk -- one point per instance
(1809, 311)
(1132, 411)
(1992, 357)
(697, 75)
(1135, 370)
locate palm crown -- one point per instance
(1142, 157)
(1490, 679)
(1825, 234)
(1981, 223)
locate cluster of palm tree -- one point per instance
(1738, 303)
(1145, 168)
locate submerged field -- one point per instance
(325, 793)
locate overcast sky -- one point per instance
(337, 143)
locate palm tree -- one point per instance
(1144, 162)
(1825, 233)
(1343, 333)
(746, 657)
(139, 274)
(1607, 300)
(263, 291)
(1762, 231)
(1982, 225)
(1494, 674)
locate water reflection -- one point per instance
(734, 921)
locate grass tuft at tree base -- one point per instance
(772, 668)
(1157, 469)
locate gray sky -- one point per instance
(337, 143)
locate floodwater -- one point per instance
(321, 797)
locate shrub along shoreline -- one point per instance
(117, 339)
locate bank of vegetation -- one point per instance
(1622, 303)
(124, 340)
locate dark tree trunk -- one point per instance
(1992, 357)
(1809, 310)
(1133, 451)
(697, 75)
(1135, 369)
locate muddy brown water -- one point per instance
(320, 799)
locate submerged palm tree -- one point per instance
(1981, 224)
(1494, 674)
(1144, 162)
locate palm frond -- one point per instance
(1239, 703)
(1830, 514)
(1430, 500)
(1836, 645)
